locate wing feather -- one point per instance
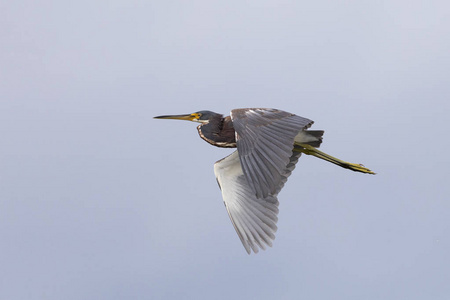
(254, 219)
(265, 139)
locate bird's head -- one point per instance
(203, 116)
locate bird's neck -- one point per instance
(218, 132)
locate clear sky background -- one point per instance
(100, 201)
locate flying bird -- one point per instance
(269, 143)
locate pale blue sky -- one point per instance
(100, 201)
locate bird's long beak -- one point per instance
(189, 117)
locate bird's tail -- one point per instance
(310, 150)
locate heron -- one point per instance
(269, 143)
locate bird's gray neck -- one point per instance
(218, 132)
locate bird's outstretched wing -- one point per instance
(265, 139)
(253, 218)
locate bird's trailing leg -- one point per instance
(310, 150)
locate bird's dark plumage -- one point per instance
(218, 132)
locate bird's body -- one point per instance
(269, 143)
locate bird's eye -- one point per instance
(196, 116)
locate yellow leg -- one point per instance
(310, 150)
